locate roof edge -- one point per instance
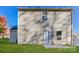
(44, 9)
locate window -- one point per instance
(44, 12)
(44, 17)
(58, 34)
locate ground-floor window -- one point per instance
(58, 35)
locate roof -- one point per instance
(44, 9)
(14, 28)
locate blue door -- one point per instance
(47, 36)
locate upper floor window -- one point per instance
(44, 12)
(44, 17)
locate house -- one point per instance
(45, 26)
(76, 39)
(13, 34)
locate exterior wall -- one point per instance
(13, 36)
(63, 23)
(76, 39)
(31, 27)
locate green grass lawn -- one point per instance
(6, 47)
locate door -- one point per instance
(47, 37)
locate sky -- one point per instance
(11, 14)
